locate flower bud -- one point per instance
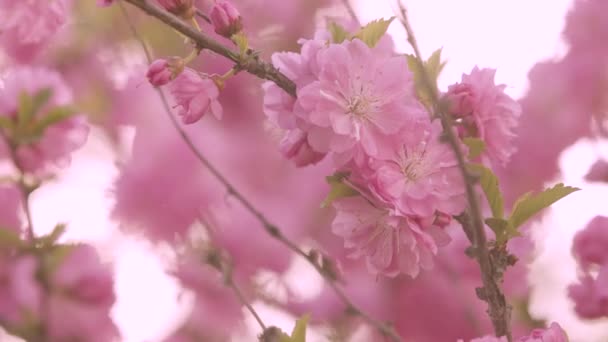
(163, 71)
(460, 99)
(181, 8)
(226, 19)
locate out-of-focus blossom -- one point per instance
(486, 112)
(195, 96)
(598, 172)
(27, 26)
(488, 338)
(20, 291)
(586, 27)
(420, 176)
(554, 333)
(60, 139)
(225, 18)
(163, 71)
(82, 296)
(390, 244)
(217, 312)
(590, 294)
(590, 245)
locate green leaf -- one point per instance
(55, 115)
(432, 67)
(338, 33)
(476, 146)
(29, 106)
(338, 189)
(371, 33)
(9, 238)
(530, 204)
(299, 331)
(489, 184)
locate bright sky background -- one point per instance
(510, 36)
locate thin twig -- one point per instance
(351, 11)
(498, 310)
(243, 300)
(249, 62)
(270, 228)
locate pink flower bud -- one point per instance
(225, 18)
(104, 3)
(163, 71)
(182, 8)
(295, 146)
(460, 100)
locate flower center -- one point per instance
(414, 164)
(358, 106)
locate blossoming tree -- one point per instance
(410, 201)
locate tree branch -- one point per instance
(498, 309)
(269, 227)
(250, 62)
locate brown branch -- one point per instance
(498, 309)
(249, 62)
(269, 227)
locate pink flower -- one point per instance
(225, 18)
(554, 333)
(10, 205)
(598, 172)
(60, 139)
(295, 146)
(27, 26)
(488, 338)
(486, 112)
(590, 245)
(82, 296)
(195, 96)
(163, 71)
(390, 244)
(360, 96)
(590, 295)
(421, 175)
(182, 8)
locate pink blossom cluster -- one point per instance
(61, 294)
(590, 247)
(358, 105)
(27, 26)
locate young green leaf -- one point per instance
(338, 189)
(299, 331)
(29, 106)
(489, 184)
(530, 204)
(476, 146)
(371, 33)
(240, 40)
(432, 67)
(54, 116)
(338, 33)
